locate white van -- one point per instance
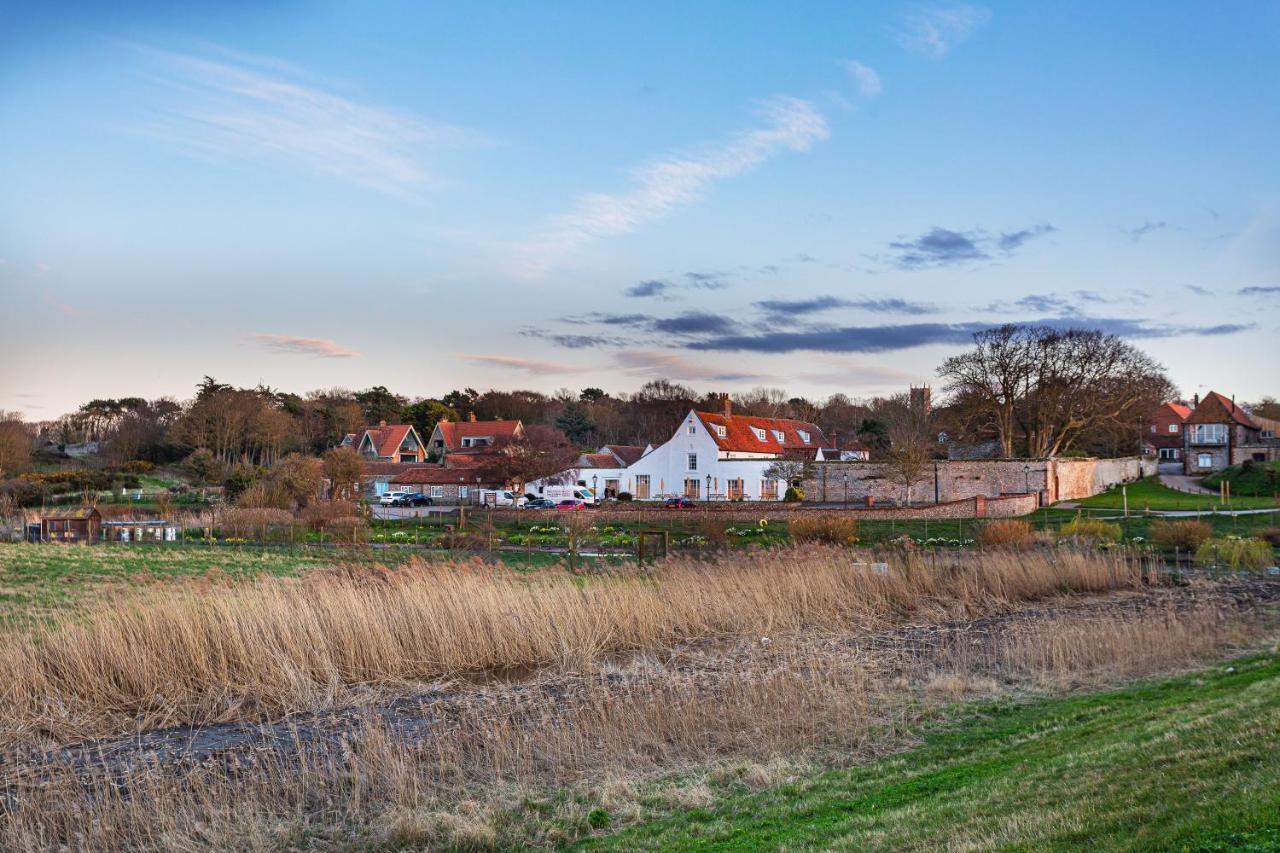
(501, 498)
(561, 493)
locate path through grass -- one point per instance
(1189, 763)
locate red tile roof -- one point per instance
(386, 438)
(382, 469)
(598, 460)
(502, 432)
(1217, 409)
(628, 454)
(434, 475)
(1180, 410)
(740, 436)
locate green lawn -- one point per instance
(1150, 494)
(1189, 763)
(1253, 478)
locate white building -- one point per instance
(712, 456)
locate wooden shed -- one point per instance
(76, 524)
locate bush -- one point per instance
(1006, 533)
(246, 522)
(793, 495)
(1270, 534)
(139, 466)
(1185, 535)
(1235, 553)
(623, 497)
(318, 514)
(828, 529)
(1092, 528)
(25, 493)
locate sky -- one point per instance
(824, 197)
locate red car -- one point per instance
(679, 503)
(571, 503)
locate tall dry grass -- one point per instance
(481, 778)
(191, 656)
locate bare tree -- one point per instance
(342, 468)
(15, 444)
(910, 441)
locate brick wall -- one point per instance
(958, 479)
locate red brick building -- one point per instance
(1165, 436)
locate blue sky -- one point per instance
(727, 195)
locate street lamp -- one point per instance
(595, 478)
(845, 476)
(1026, 469)
(708, 487)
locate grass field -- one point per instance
(1260, 479)
(1150, 494)
(1188, 763)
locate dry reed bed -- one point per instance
(376, 787)
(173, 656)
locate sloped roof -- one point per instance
(1178, 409)
(502, 432)
(382, 469)
(70, 513)
(1217, 409)
(598, 460)
(434, 475)
(627, 454)
(386, 438)
(740, 437)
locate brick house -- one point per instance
(1165, 432)
(74, 524)
(447, 485)
(472, 437)
(388, 443)
(1218, 433)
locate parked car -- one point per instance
(390, 498)
(540, 503)
(571, 503)
(678, 503)
(415, 499)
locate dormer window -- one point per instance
(804, 436)
(721, 431)
(780, 436)
(759, 433)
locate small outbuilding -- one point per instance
(75, 524)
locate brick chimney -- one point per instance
(382, 424)
(1195, 401)
(471, 416)
(728, 407)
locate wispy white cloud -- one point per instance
(240, 107)
(670, 365)
(531, 366)
(658, 188)
(303, 346)
(864, 77)
(934, 31)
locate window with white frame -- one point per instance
(769, 490)
(693, 430)
(780, 436)
(804, 436)
(463, 492)
(437, 491)
(759, 433)
(1209, 434)
(693, 462)
(1204, 460)
(721, 431)
(1173, 427)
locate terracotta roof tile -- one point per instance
(502, 432)
(386, 439)
(628, 454)
(741, 437)
(434, 475)
(1216, 409)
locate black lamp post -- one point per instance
(845, 477)
(595, 479)
(1026, 469)
(708, 487)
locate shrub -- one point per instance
(253, 521)
(1270, 534)
(1005, 533)
(318, 514)
(1184, 535)
(829, 529)
(1092, 528)
(1235, 553)
(793, 495)
(139, 466)
(624, 496)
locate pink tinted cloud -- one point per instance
(303, 346)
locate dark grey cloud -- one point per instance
(1199, 291)
(813, 305)
(1146, 228)
(652, 287)
(939, 247)
(1259, 291)
(1013, 240)
(694, 323)
(873, 339)
(706, 280)
(604, 318)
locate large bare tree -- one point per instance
(1049, 386)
